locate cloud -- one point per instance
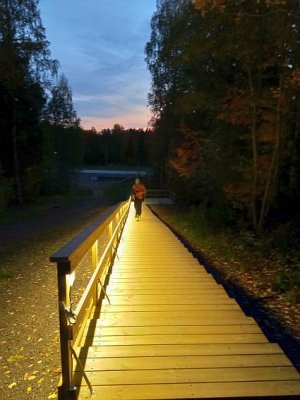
(100, 46)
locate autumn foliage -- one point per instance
(187, 157)
(237, 141)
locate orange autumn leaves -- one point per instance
(236, 109)
(187, 157)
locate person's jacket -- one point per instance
(139, 191)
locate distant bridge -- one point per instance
(110, 173)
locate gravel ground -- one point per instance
(29, 335)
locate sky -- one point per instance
(100, 45)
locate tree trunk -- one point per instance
(254, 169)
(273, 169)
(253, 208)
(16, 156)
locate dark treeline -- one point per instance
(41, 140)
(117, 146)
(225, 98)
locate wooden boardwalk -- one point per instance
(171, 332)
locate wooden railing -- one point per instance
(67, 259)
(161, 193)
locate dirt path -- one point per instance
(29, 336)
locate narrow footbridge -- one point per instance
(152, 323)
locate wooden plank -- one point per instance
(99, 330)
(160, 273)
(125, 250)
(215, 361)
(161, 276)
(182, 350)
(169, 299)
(176, 339)
(165, 291)
(156, 260)
(191, 375)
(165, 284)
(122, 321)
(168, 307)
(155, 317)
(167, 257)
(166, 264)
(145, 251)
(194, 390)
(156, 267)
(167, 279)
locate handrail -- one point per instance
(160, 193)
(67, 259)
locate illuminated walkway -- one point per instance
(171, 332)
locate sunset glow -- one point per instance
(138, 121)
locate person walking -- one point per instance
(138, 192)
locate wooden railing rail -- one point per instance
(67, 259)
(160, 193)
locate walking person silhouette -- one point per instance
(138, 192)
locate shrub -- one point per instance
(32, 183)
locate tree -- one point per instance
(229, 75)
(258, 97)
(63, 137)
(26, 69)
(59, 110)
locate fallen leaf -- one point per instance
(52, 396)
(40, 381)
(29, 389)
(32, 377)
(12, 385)
(15, 357)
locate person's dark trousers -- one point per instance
(138, 207)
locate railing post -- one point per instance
(94, 266)
(110, 232)
(118, 215)
(95, 255)
(67, 391)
